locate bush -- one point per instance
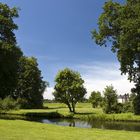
(119, 108)
(22, 103)
(127, 107)
(8, 103)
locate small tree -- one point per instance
(69, 88)
(110, 99)
(95, 99)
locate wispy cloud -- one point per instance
(98, 75)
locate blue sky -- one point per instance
(58, 34)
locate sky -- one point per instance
(58, 34)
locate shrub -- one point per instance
(127, 107)
(8, 103)
(119, 108)
(22, 103)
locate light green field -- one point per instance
(83, 111)
(24, 130)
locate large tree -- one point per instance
(69, 88)
(119, 25)
(30, 83)
(9, 52)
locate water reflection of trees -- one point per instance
(72, 123)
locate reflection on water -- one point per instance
(129, 126)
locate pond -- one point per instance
(111, 125)
(128, 126)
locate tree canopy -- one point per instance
(95, 99)
(120, 25)
(69, 88)
(9, 52)
(30, 84)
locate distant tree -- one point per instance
(30, 84)
(119, 26)
(110, 99)
(69, 88)
(95, 99)
(9, 52)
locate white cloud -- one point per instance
(48, 93)
(97, 76)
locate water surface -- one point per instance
(111, 125)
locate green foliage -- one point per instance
(20, 77)
(95, 99)
(22, 103)
(119, 26)
(128, 107)
(30, 84)
(9, 52)
(110, 100)
(8, 103)
(69, 88)
(136, 103)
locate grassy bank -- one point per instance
(84, 111)
(24, 130)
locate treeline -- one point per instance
(20, 78)
(109, 101)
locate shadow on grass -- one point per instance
(31, 115)
(85, 113)
(53, 107)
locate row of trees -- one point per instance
(109, 101)
(69, 89)
(20, 77)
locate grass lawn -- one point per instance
(24, 130)
(84, 111)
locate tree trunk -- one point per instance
(70, 109)
(73, 107)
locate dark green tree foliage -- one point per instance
(69, 88)
(136, 103)
(119, 25)
(110, 100)
(30, 84)
(9, 52)
(95, 99)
